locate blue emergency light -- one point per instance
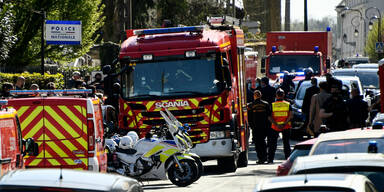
(3, 102)
(372, 147)
(328, 28)
(316, 48)
(57, 91)
(274, 49)
(168, 30)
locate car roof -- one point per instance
(354, 70)
(307, 142)
(338, 160)
(70, 179)
(365, 65)
(351, 134)
(312, 180)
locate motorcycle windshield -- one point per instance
(294, 63)
(194, 77)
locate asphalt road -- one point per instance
(214, 180)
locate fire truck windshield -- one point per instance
(294, 63)
(201, 76)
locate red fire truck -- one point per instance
(295, 51)
(198, 73)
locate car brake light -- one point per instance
(91, 136)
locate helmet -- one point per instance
(125, 142)
(308, 71)
(107, 69)
(133, 136)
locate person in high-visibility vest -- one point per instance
(281, 122)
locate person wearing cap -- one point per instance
(19, 85)
(6, 88)
(258, 113)
(281, 123)
(334, 109)
(308, 74)
(72, 82)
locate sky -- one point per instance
(317, 9)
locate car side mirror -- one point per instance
(31, 147)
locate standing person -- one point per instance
(259, 111)
(267, 91)
(317, 100)
(6, 89)
(334, 109)
(20, 82)
(357, 109)
(281, 122)
(75, 78)
(309, 92)
(98, 81)
(249, 91)
(110, 79)
(258, 83)
(288, 86)
(308, 74)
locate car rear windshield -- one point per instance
(298, 153)
(347, 146)
(311, 189)
(375, 174)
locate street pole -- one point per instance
(305, 15)
(43, 14)
(380, 54)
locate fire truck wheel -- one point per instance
(243, 159)
(227, 164)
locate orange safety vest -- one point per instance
(280, 113)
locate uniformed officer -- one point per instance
(258, 112)
(281, 122)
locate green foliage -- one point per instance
(370, 45)
(109, 51)
(7, 38)
(193, 12)
(140, 13)
(33, 78)
(84, 70)
(28, 29)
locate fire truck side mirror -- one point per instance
(227, 77)
(263, 63)
(328, 63)
(31, 147)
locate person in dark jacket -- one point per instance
(258, 112)
(268, 92)
(334, 109)
(309, 92)
(357, 110)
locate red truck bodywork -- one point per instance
(224, 111)
(299, 44)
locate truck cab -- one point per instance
(13, 147)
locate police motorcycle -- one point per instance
(154, 157)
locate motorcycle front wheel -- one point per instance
(185, 177)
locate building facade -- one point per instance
(353, 26)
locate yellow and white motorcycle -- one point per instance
(155, 158)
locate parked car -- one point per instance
(300, 149)
(66, 180)
(370, 165)
(298, 117)
(366, 66)
(356, 60)
(368, 77)
(350, 141)
(316, 182)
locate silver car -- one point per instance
(66, 180)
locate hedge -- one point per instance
(31, 78)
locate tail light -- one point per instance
(91, 136)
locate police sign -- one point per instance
(63, 32)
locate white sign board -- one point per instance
(379, 47)
(63, 32)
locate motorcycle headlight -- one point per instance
(217, 134)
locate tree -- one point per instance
(7, 38)
(370, 46)
(26, 49)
